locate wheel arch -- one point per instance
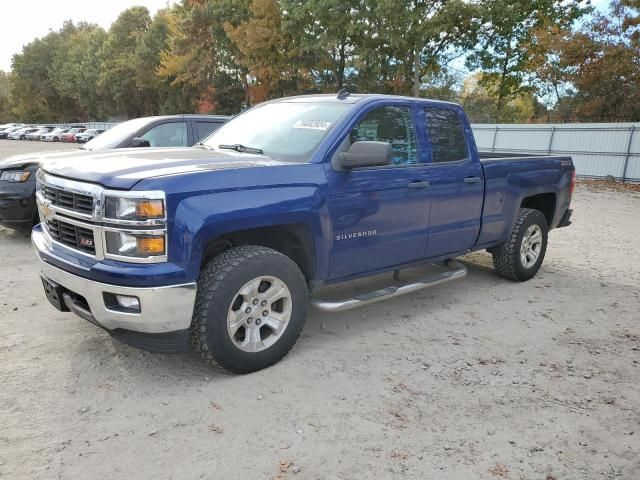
(543, 202)
(295, 240)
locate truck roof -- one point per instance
(352, 98)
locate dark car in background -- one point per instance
(163, 131)
(17, 174)
(88, 134)
(70, 136)
(5, 132)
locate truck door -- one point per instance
(379, 215)
(456, 182)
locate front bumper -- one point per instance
(17, 205)
(165, 311)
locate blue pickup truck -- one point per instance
(223, 246)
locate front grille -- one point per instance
(72, 235)
(71, 201)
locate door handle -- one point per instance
(472, 180)
(419, 185)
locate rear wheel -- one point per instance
(520, 257)
(250, 308)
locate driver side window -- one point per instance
(167, 135)
(392, 125)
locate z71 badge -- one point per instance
(349, 236)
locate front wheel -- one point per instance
(250, 308)
(520, 257)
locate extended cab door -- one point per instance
(379, 214)
(457, 184)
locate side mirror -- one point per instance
(366, 154)
(138, 142)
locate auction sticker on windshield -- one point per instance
(312, 124)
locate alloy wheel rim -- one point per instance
(259, 314)
(531, 246)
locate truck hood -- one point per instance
(123, 168)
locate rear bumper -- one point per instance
(565, 221)
(161, 325)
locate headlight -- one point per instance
(134, 209)
(15, 176)
(137, 245)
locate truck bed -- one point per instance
(511, 177)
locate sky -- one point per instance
(22, 21)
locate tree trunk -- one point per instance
(416, 72)
(341, 63)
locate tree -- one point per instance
(479, 99)
(268, 51)
(34, 94)
(200, 55)
(118, 76)
(163, 96)
(401, 44)
(506, 43)
(5, 97)
(326, 37)
(595, 71)
(607, 65)
(75, 71)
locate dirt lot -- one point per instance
(479, 379)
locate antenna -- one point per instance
(343, 93)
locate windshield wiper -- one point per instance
(202, 145)
(241, 148)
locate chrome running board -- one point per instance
(453, 271)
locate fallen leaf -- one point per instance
(215, 428)
(499, 471)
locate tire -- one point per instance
(219, 300)
(508, 257)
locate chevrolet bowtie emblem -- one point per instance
(47, 211)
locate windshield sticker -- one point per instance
(312, 124)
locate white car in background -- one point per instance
(88, 134)
(54, 135)
(22, 133)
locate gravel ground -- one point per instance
(477, 379)
(16, 147)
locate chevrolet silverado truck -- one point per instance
(223, 246)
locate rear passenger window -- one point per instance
(448, 142)
(393, 125)
(204, 129)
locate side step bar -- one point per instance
(454, 271)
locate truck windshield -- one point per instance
(285, 131)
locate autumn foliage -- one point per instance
(505, 60)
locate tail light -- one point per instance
(573, 183)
